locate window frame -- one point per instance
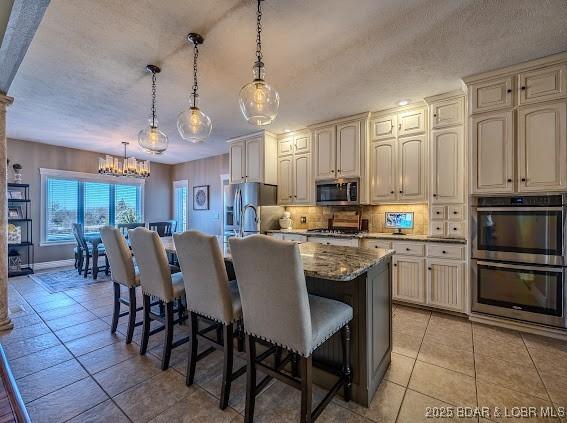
(183, 183)
(45, 174)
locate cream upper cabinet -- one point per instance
(542, 84)
(254, 159)
(383, 171)
(302, 142)
(446, 113)
(325, 146)
(237, 162)
(445, 284)
(302, 180)
(492, 152)
(491, 95)
(408, 279)
(285, 180)
(411, 122)
(348, 150)
(384, 127)
(412, 168)
(542, 147)
(285, 146)
(447, 165)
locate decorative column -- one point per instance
(5, 323)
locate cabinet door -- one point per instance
(447, 113)
(447, 166)
(325, 146)
(411, 122)
(408, 279)
(384, 127)
(542, 147)
(255, 160)
(411, 168)
(285, 180)
(348, 150)
(302, 143)
(237, 162)
(383, 171)
(542, 84)
(493, 152)
(445, 284)
(285, 146)
(302, 181)
(491, 95)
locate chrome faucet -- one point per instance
(246, 207)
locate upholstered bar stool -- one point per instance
(278, 310)
(157, 281)
(212, 298)
(124, 273)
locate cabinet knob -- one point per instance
(454, 229)
(338, 170)
(435, 195)
(407, 249)
(444, 252)
(523, 179)
(429, 268)
(438, 228)
(401, 192)
(395, 264)
(375, 246)
(290, 196)
(438, 212)
(455, 212)
(391, 192)
(523, 88)
(509, 90)
(434, 114)
(509, 180)
(295, 196)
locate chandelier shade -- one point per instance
(128, 166)
(151, 139)
(193, 124)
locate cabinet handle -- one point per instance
(429, 268)
(400, 126)
(395, 264)
(407, 249)
(295, 196)
(435, 195)
(401, 192)
(444, 252)
(391, 192)
(438, 228)
(509, 90)
(523, 88)
(338, 170)
(375, 246)
(454, 229)
(434, 114)
(455, 212)
(438, 212)
(290, 196)
(509, 180)
(523, 179)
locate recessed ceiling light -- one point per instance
(287, 130)
(403, 103)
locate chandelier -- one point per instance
(128, 166)
(151, 139)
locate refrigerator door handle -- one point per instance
(235, 207)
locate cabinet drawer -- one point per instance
(409, 248)
(345, 242)
(447, 113)
(437, 228)
(437, 212)
(456, 252)
(294, 237)
(455, 212)
(456, 229)
(491, 95)
(378, 243)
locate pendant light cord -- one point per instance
(195, 85)
(259, 35)
(153, 102)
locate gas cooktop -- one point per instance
(338, 231)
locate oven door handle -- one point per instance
(521, 267)
(519, 209)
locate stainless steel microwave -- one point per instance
(338, 192)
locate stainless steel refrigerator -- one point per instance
(240, 203)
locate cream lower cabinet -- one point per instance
(445, 284)
(408, 279)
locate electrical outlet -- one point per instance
(303, 219)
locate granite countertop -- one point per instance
(331, 262)
(374, 235)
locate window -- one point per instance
(180, 189)
(69, 198)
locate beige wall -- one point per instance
(204, 172)
(33, 156)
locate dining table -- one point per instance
(94, 239)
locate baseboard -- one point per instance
(520, 326)
(53, 264)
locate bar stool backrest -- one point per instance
(119, 256)
(273, 292)
(204, 275)
(155, 276)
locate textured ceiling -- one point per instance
(82, 83)
(5, 9)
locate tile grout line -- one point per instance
(538, 373)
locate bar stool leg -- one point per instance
(192, 359)
(116, 312)
(305, 364)
(87, 258)
(168, 335)
(146, 325)
(294, 365)
(345, 338)
(227, 365)
(131, 313)
(250, 379)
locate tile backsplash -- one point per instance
(317, 216)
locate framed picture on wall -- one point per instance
(201, 197)
(14, 213)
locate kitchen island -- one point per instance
(361, 278)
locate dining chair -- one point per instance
(173, 225)
(162, 228)
(124, 273)
(158, 282)
(277, 310)
(212, 298)
(85, 252)
(125, 227)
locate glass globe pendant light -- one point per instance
(259, 101)
(193, 125)
(151, 139)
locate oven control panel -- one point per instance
(531, 201)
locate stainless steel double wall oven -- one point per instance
(519, 258)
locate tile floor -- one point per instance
(70, 368)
